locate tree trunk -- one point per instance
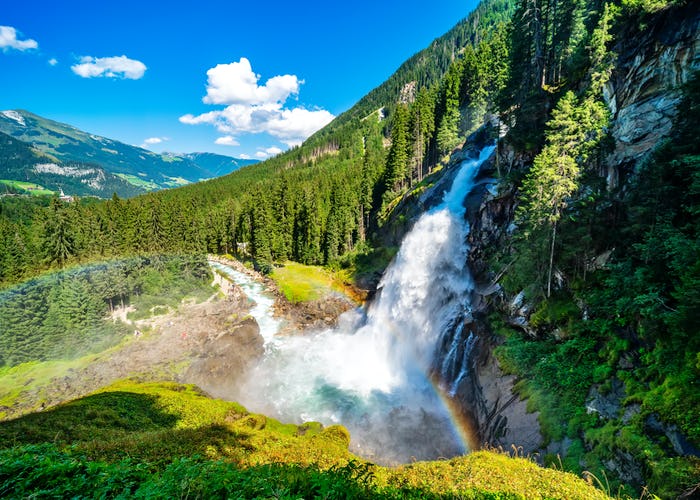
(551, 261)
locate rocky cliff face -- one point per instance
(642, 95)
(500, 418)
(644, 90)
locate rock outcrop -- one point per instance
(645, 87)
(643, 95)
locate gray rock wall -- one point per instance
(645, 87)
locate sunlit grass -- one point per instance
(31, 188)
(158, 422)
(302, 283)
(35, 375)
(138, 181)
(146, 429)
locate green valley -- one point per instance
(59, 153)
(551, 311)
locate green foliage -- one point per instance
(550, 44)
(167, 440)
(64, 314)
(671, 475)
(556, 377)
(558, 312)
(574, 142)
(640, 301)
(58, 240)
(642, 7)
(43, 470)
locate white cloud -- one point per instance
(153, 140)
(227, 140)
(292, 126)
(245, 157)
(8, 40)
(267, 152)
(53, 61)
(236, 83)
(210, 117)
(109, 67)
(253, 109)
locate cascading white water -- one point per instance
(263, 303)
(370, 373)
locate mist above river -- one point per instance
(371, 373)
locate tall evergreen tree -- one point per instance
(58, 241)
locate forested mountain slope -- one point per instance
(585, 249)
(25, 170)
(140, 170)
(312, 204)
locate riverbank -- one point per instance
(316, 314)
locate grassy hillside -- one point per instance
(300, 283)
(164, 440)
(22, 167)
(61, 144)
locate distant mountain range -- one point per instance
(57, 156)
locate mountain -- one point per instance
(23, 169)
(141, 170)
(428, 66)
(216, 165)
(583, 237)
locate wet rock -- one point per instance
(606, 405)
(499, 416)
(225, 358)
(626, 467)
(678, 441)
(312, 315)
(630, 412)
(559, 448)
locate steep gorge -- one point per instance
(642, 96)
(653, 60)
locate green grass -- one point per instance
(137, 181)
(165, 440)
(177, 181)
(31, 188)
(302, 283)
(35, 375)
(158, 422)
(492, 472)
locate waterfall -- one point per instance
(371, 373)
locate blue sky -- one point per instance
(246, 79)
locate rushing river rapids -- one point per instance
(371, 373)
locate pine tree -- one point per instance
(58, 241)
(448, 129)
(396, 173)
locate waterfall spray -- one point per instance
(371, 373)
